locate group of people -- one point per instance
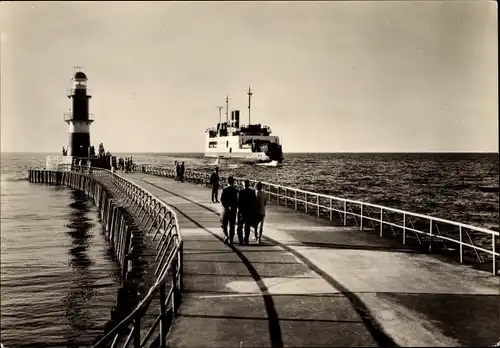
(125, 164)
(245, 208)
(179, 171)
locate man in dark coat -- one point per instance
(229, 200)
(214, 182)
(182, 170)
(178, 171)
(246, 212)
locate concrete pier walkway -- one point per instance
(310, 283)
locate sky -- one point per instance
(343, 76)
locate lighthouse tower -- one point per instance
(79, 119)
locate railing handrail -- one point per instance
(73, 89)
(396, 210)
(170, 261)
(69, 116)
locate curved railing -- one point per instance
(161, 221)
(411, 227)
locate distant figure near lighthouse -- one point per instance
(78, 119)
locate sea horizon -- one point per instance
(285, 152)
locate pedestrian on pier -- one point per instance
(260, 213)
(178, 171)
(246, 212)
(229, 200)
(181, 176)
(214, 182)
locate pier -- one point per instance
(329, 271)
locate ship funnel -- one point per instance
(236, 118)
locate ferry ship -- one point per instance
(251, 143)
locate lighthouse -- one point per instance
(79, 119)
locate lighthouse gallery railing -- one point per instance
(396, 222)
(160, 221)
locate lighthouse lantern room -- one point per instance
(79, 119)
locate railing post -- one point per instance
(317, 205)
(462, 246)
(286, 198)
(174, 288)
(181, 265)
(295, 199)
(306, 201)
(163, 324)
(361, 218)
(331, 209)
(404, 228)
(345, 213)
(125, 265)
(381, 221)
(277, 195)
(493, 247)
(137, 329)
(430, 236)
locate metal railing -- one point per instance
(73, 91)
(400, 223)
(69, 117)
(160, 221)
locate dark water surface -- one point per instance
(58, 279)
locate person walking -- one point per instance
(214, 182)
(229, 201)
(177, 171)
(182, 172)
(246, 212)
(260, 212)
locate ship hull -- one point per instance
(250, 158)
(249, 148)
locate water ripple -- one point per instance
(58, 282)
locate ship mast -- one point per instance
(227, 108)
(220, 109)
(249, 100)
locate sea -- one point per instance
(58, 275)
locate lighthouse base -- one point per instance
(79, 144)
(65, 162)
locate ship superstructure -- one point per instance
(251, 143)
